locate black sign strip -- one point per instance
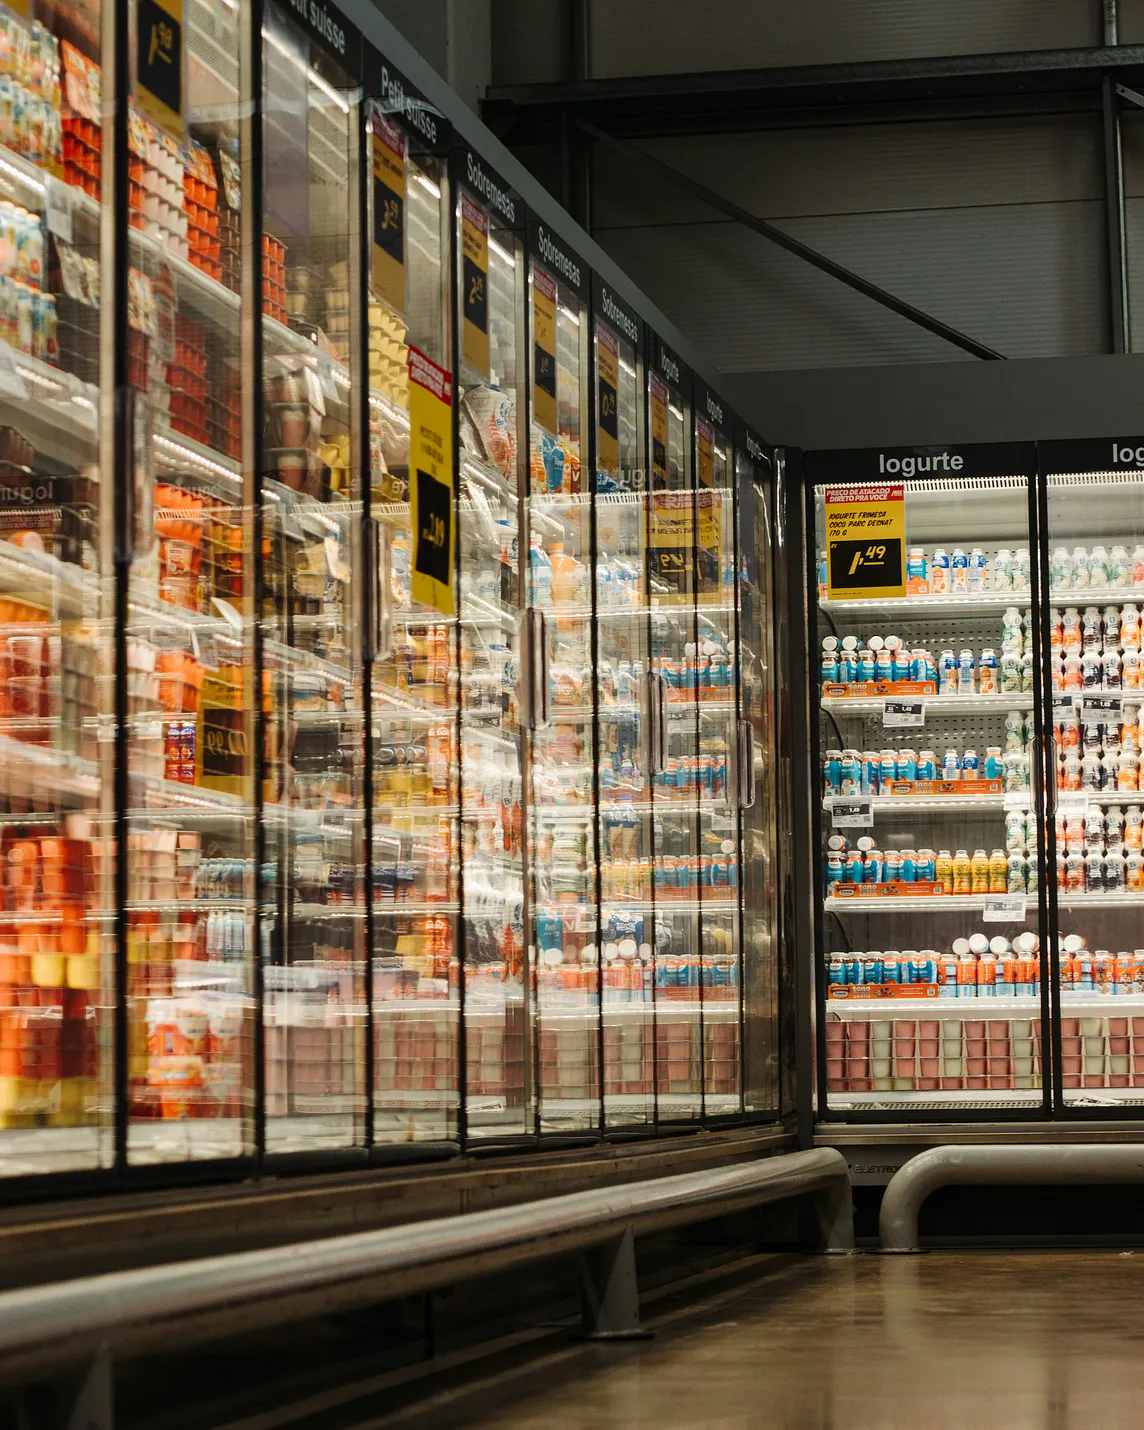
(1099, 454)
(428, 129)
(326, 24)
(885, 464)
(752, 446)
(712, 408)
(669, 366)
(617, 312)
(494, 193)
(565, 265)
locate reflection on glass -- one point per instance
(491, 300)
(313, 882)
(625, 834)
(759, 962)
(414, 681)
(933, 991)
(1096, 588)
(561, 827)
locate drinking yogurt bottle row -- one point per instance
(848, 662)
(1097, 569)
(976, 967)
(857, 772)
(998, 872)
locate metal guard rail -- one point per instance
(81, 1323)
(1059, 1165)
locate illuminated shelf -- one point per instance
(934, 704)
(929, 903)
(888, 1009)
(959, 602)
(938, 803)
(967, 1097)
(1099, 901)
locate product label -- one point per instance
(431, 482)
(475, 286)
(1009, 910)
(852, 813)
(544, 351)
(607, 382)
(159, 63)
(388, 265)
(704, 454)
(865, 541)
(658, 399)
(904, 713)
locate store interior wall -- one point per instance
(995, 226)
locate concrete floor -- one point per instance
(942, 1341)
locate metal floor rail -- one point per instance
(60, 1339)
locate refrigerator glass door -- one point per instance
(313, 878)
(758, 789)
(562, 849)
(716, 686)
(416, 993)
(191, 816)
(932, 853)
(623, 748)
(1095, 542)
(491, 300)
(56, 634)
(676, 764)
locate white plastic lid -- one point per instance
(961, 947)
(999, 944)
(978, 943)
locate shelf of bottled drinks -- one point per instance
(979, 808)
(386, 754)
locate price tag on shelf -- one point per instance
(1100, 709)
(1063, 710)
(1015, 799)
(58, 209)
(1008, 910)
(904, 712)
(852, 813)
(11, 383)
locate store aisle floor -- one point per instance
(943, 1341)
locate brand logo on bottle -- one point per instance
(489, 189)
(618, 318)
(1127, 456)
(557, 258)
(915, 466)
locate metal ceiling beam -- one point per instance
(947, 87)
(784, 240)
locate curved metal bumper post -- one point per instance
(996, 1166)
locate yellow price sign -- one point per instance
(160, 63)
(704, 454)
(659, 396)
(388, 262)
(431, 482)
(608, 418)
(865, 541)
(475, 286)
(671, 541)
(544, 351)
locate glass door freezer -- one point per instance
(925, 626)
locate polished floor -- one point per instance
(942, 1341)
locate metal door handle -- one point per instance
(746, 765)
(379, 626)
(538, 668)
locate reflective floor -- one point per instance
(942, 1341)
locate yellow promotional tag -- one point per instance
(670, 539)
(865, 542)
(544, 351)
(388, 265)
(704, 454)
(608, 375)
(431, 482)
(159, 64)
(475, 286)
(658, 432)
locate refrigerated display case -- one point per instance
(1093, 535)
(561, 819)
(626, 903)
(932, 936)
(489, 232)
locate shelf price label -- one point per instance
(1101, 709)
(431, 482)
(159, 63)
(904, 713)
(544, 351)
(852, 813)
(865, 541)
(1008, 910)
(657, 394)
(607, 387)
(475, 286)
(388, 261)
